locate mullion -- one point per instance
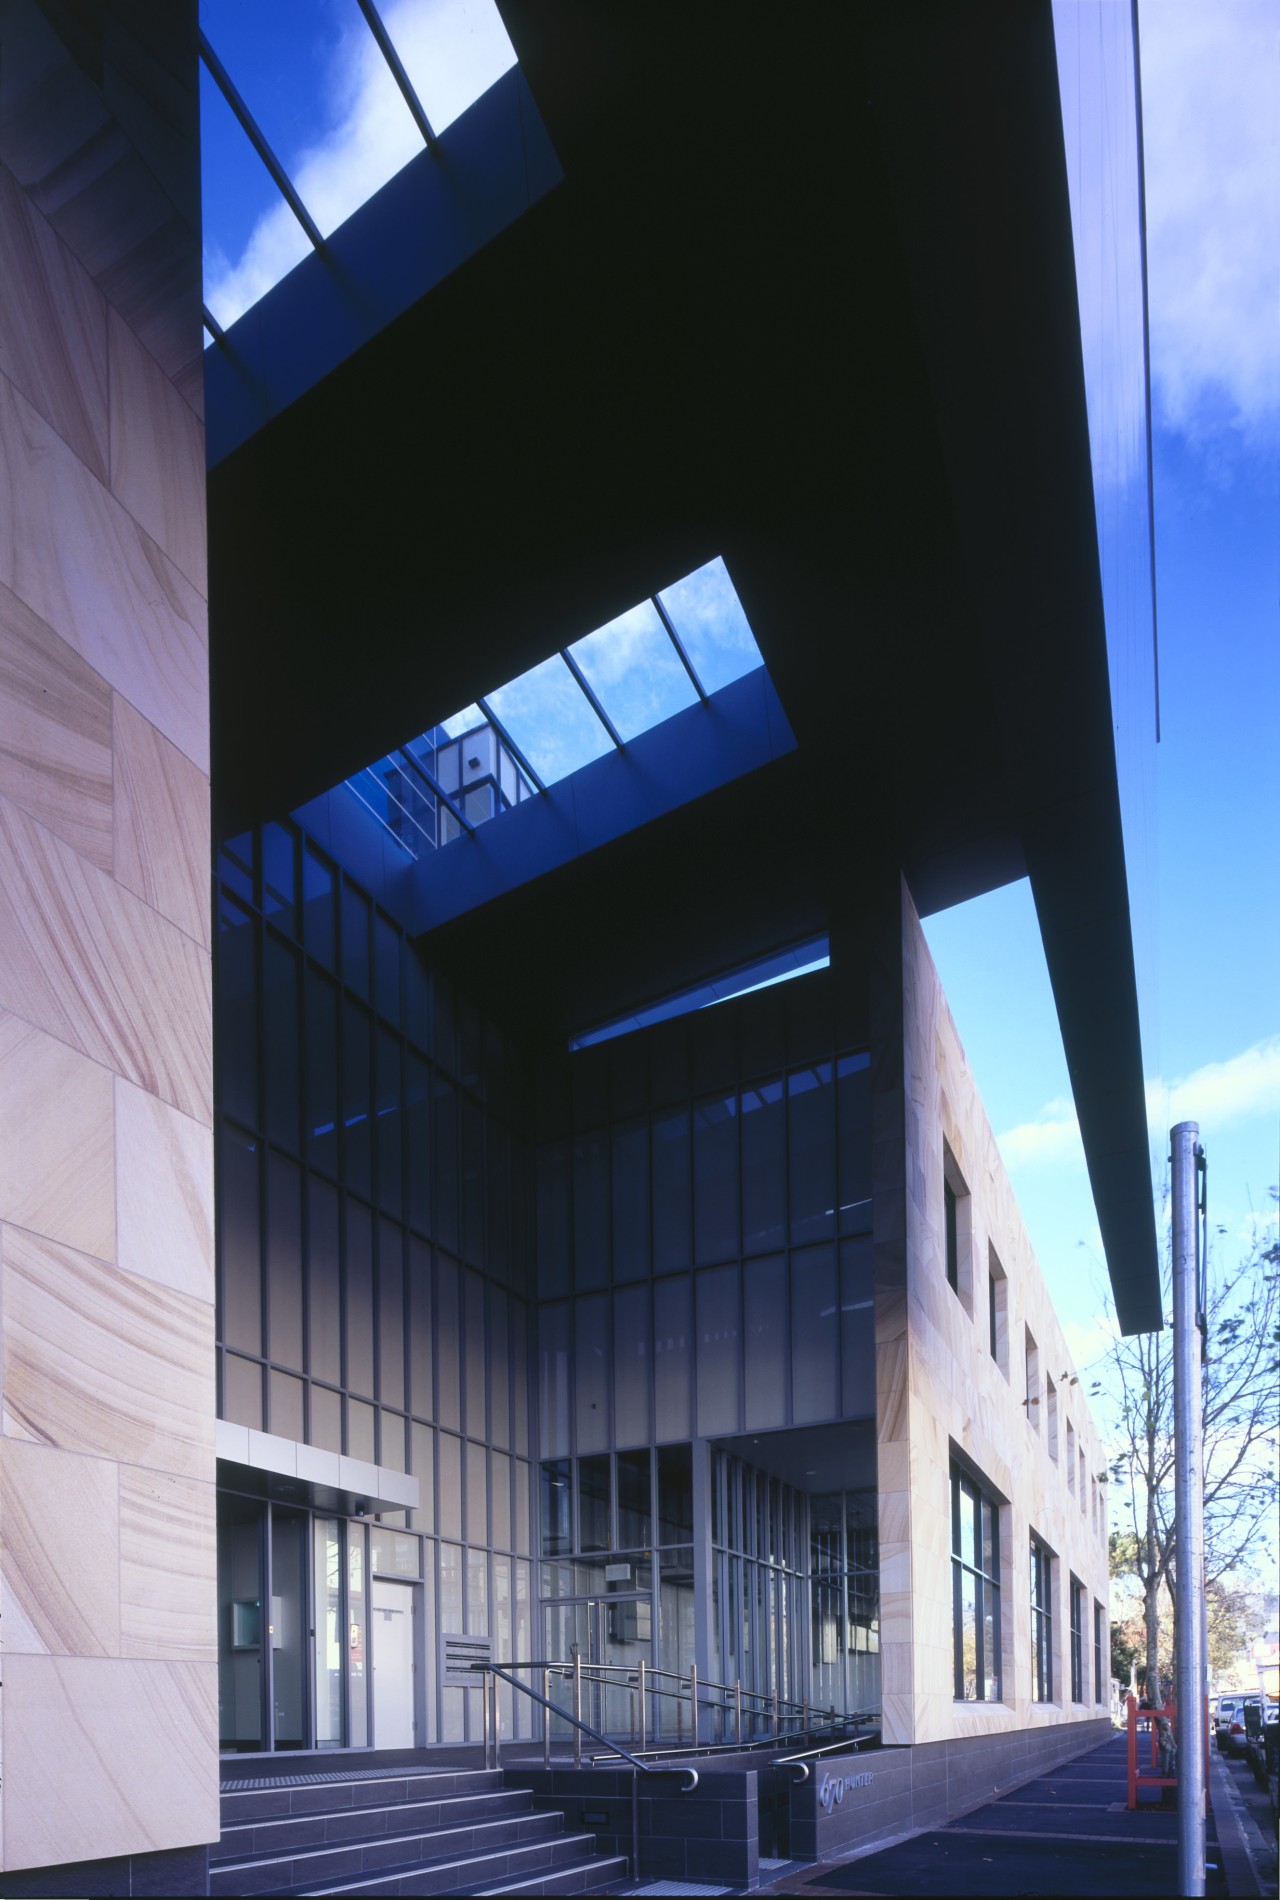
(257, 138)
(679, 646)
(589, 694)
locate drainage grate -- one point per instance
(257, 1784)
(678, 1886)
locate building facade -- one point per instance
(358, 1290)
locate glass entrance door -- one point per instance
(612, 1635)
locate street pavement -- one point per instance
(1066, 1832)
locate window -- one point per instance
(1071, 1458)
(997, 1311)
(975, 1580)
(1032, 1400)
(1099, 1680)
(1084, 1475)
(1041, 1622)
(1077, 1640)
(1051, 1418)
(957, 1231)
(953, 1247)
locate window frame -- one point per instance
(1041, 1621)
(1076, 1611)
(968, 1491)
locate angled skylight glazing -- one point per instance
(551, 720)
(635, 671)
(574, 707)
(709, 622)
(317, 79)
(780, 966)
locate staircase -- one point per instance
(399, 1831)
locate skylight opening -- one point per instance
(635, 671)
(315, 82)
(708, 620)
(551, 720)
(572, 708)
(781, 966)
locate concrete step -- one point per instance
(532, 1868)
(275, 1838)
(287, 1799)
(356, 1860)
(601, 1874)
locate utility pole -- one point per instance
(1188, 1442)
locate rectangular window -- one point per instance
(557, 1533)
(1051, 1418)
(975, 1579)
(953, 1243)
(1084, 1475)
(998, 1310)
(957, 1230)
(1041, 1622)
(1071, 1458)
(1077, 1641)
(1099, 1626)
(1032, 1400)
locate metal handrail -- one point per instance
(561, 1667)
(803, 1756)
(615, 1748)
(782, 1709)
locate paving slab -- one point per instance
(1068, 1831)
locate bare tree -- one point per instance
(1241, 1414)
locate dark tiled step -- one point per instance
(535, 1867)
(369, 1791)
(353, 1860)
(274, 1838)
(601, 1874)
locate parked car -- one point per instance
(1261, 1732)
(1233, 1741)
(1227, 1707)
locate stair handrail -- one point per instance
(803, 1756)
(615, 1748)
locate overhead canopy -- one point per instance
(804, 298)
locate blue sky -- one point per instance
(1211, 877)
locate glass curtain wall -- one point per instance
(372, 1261)
(618, 1582)
(844, 1605)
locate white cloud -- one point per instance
(1220, 1093)
(1214, 1095)
(1210, 88)
(453, 50)
(1051, 1140)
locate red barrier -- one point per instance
(1145, 1721)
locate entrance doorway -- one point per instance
(394, 1631)
(612, 1634)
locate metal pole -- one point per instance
(497, 1732)
(546, 1719)
(644, 1713)
(737, 1694)
(484, 1715)
(577, 1706)
(693, 1703)
(1189, 1506)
